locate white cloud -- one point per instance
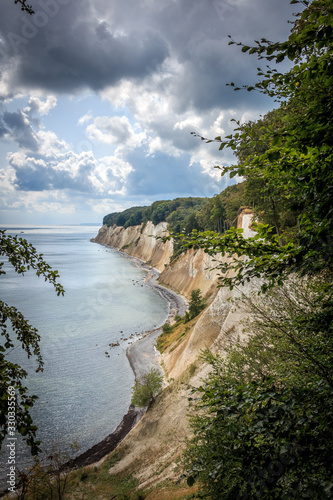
(161, 68)
(49, 144)
(87, 117)
(36, 105)
(114, 130)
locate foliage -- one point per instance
(290, 332)
(289, 155)
(185, 214)
(25, 7)
(263, 420)
(196, 305)
(263, 441)
(15, 330)
(145, 389)
(220, 213)
(172, 335)
(268, 201)
(176, 212)
(49, 477)
(167, 328)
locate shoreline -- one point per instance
(141, 354)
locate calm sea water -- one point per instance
(83, 393)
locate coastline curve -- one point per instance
(142, 355)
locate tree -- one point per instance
(49, 476)
(264, 417)
(145, 389)
(15, 330)
(25, 7)
(291, 157)
(196, 304)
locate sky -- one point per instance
(98, 99)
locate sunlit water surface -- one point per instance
(83, 392)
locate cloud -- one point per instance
(162, 176)
(73, 50)
(87, 117)
(113, 130)
(69, 46)
(147, 74)
(16, 126)
(65, 171)
(36, 105)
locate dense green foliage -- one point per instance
(146, 388)
(287, 157)
(264, 417)
(16, 331)
(176, 212)
(263, 425)
(196, 305)
(185, 214)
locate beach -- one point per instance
(142, 356)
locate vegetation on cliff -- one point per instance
(264, 419)
(185, 214)
(145, 389)
(174, 211)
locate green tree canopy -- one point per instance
(146, 388)
(196, 304)
(288, 156)
(264, 417)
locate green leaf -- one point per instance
(190, 481)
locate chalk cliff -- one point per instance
(192, 269)
(139, 241)
(150, 451)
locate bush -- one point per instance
(167, 328)
(264, 416)
(145, 389)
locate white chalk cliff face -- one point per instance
(139, 241)
(151, 449)
(220, 321)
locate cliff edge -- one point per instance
(152, 449)
(140, 242)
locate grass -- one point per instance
(176, 332)
(97, 483)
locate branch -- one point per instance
(25, 7)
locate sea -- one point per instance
(85, 388)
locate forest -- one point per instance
(185, 214)
(263, 419)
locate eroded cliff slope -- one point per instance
(139, 241)
(151, 450)
(190, 271)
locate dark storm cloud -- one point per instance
(70, 44)
(16, 127)
(197, 36)
(74, 50)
